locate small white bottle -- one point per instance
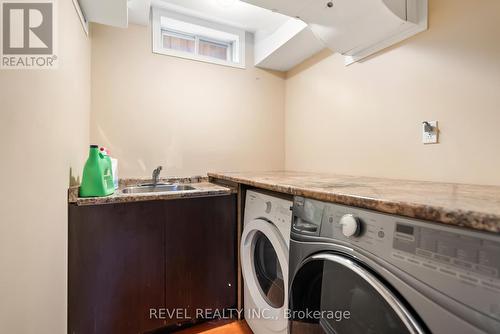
(114, 166)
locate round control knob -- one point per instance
(351, 226)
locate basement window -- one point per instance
(192, 38)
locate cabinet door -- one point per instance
(200, 254)
(116, 268)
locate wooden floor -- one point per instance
(231, 327)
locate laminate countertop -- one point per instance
(202, 188)
(470, 206)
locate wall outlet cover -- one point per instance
(430, 132)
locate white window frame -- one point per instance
(230, 46)
(236, 46)
(178, 34)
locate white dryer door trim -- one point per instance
(247, 249)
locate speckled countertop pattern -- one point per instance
(203, 188)
(469, 206)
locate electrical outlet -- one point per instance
(430, 132)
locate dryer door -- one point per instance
(331, 293)
(264, 262)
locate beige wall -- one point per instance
(191, 117)
(364, 119)
(44, 125)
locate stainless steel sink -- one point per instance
(150, 188)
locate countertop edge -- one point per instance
(437, 214)
(144, 198)
(206, 189)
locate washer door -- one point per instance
(347, 298)
(264, 262)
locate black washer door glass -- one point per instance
(343, 301)
(268, 271)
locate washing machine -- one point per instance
(264, 262)
(359, 271)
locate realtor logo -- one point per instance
(28, 31)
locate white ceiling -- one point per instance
(230, 12)
(138, 11)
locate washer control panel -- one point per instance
(462, 264)
(463, 253)
(308, 215)
(350, 225)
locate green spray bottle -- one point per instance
(97, 178)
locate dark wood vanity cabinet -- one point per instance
(201, 254)
(126, 259)
(116, 270)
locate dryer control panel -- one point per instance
(275, 210)
(463, 264)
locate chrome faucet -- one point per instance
(156, 175)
